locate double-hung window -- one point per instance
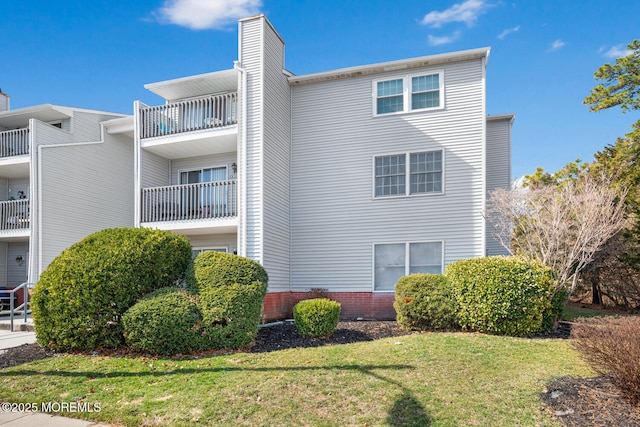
(392, 261)
(423, 175)
(409, 93)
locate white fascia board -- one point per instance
(383, 67)
(498, 117)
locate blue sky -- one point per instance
(98, 54)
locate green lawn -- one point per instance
(439, 379)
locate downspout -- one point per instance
(33, 193)
(136, 166)
(242, 163)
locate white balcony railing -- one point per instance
(205, 200)
(14, 214)
(14, 142)
(186, 116)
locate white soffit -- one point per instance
(198, 85)
(45, 113)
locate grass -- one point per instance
(444, 379)
(575, 311)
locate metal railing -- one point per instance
(22, 308)
(186, 116)
(14, 214)
(14, 142)
(205, 200)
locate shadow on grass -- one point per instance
(407, 411)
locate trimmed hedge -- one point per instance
(211, 269)
(167, 322)
(425, 302)
(503, 295)
(80, 298)
(232, 289)
(316, 318)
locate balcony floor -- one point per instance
(192, 144)
(197, 226)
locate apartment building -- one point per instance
(340, 181)
(64, 173)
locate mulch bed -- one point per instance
(573, 401)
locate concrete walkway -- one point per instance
(30, 419)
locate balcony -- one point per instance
(14, 142)
(209, 112)
(188, 202)
(14, 215)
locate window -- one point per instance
(425, 92)
(409, 93)
(196, 251)
(426, 172)
(424, 175)
(390, 175)
(392, 261)
(390, 96)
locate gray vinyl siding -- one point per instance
(251, 58)
(3, 262)
(84, 188)
(498, 170)
(16, 273)
(16, 185)
(191, 163)
(277, 157)
(156, 170)
(335, 218)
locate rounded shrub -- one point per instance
(425, 302)
(231, 289)
(80, 298)
(502, 295)
(164, 322)
(212, 269)
(317, 317)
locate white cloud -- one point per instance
(508, 31)
(556, 45)
(617, 51)
(467, 12)
(440, 40)
(205, 14)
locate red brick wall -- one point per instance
(365, 305)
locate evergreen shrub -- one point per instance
(80, 298)
(503, 295)
(317, 317)
(166, 322)
(425, 302)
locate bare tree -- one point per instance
(561, 225)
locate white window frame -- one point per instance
(406, 93)
(201, 169)
(407, 171)
(407, 259)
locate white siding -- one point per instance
(156, 170)
(251, 58)
(84, 188)
(277, 159)
(3, 263)
(17, 273)
(15, 185)
(336, 220)
(191, 163)
(498, 170)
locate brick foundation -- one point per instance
(365, 305)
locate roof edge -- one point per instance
(343, 73)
